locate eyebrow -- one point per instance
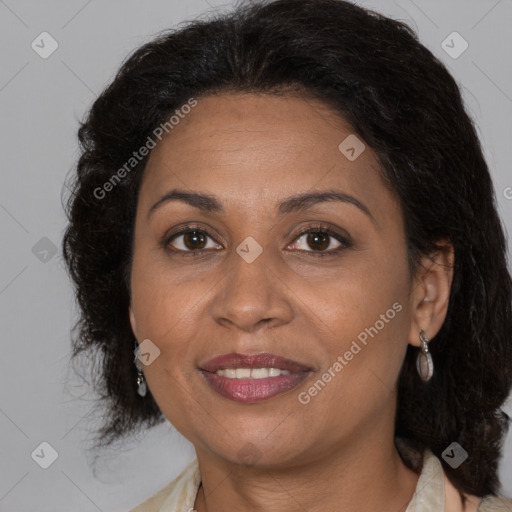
(297, 203)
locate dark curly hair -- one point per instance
(404, 104)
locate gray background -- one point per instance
(41, 101)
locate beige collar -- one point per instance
(435, 492)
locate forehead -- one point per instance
(258, 148)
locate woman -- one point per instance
(285, 241)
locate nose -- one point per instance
(252, 294)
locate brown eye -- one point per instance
(316, 240)
(194, 240)
(190, 240)
(321, 241)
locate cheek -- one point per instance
(364, 320)
(356, 299)
(358, 383)
(167, 308)
(163, 301)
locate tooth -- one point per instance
(254, 373)
(259, 373)
(243, 373)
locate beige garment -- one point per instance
(434, 493)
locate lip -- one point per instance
(253, 390)
(263, 360)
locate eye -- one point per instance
(320, 238)
(189, 239)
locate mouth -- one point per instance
(253, 378)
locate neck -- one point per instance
(364, 476)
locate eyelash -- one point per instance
(320, 228)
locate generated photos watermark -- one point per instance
(143, 151)
(305, 397)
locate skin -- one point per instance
(252, 152)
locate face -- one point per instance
(324, 283)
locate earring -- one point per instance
(142, 387)
(424, 361)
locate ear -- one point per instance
(133, 321)
(431, 292)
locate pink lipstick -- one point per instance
(253, 378)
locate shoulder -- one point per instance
(489, 503)
(453, 499)
(495, 504)
(181, 490)
(153, 503)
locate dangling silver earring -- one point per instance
(424, 361)
(142, 387)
